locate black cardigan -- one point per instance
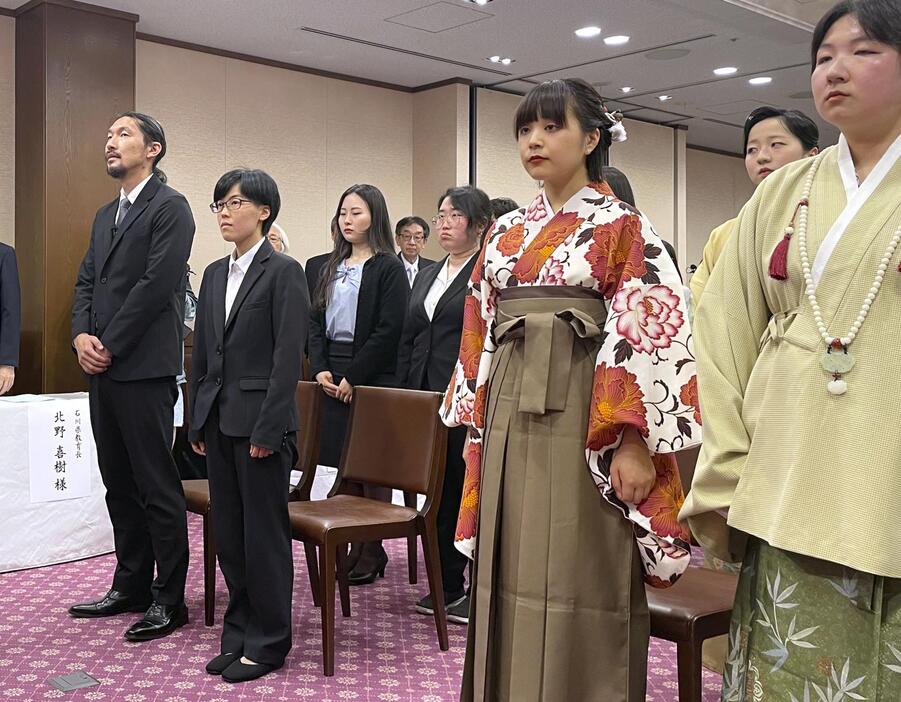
(381, 308)
(429, 349)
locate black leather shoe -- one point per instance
(112, 603)
(159, 621)
(242, 672)
(221, 662)
(366, 571)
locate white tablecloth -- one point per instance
(45, 533)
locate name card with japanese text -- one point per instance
(60, 450)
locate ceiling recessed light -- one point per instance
(494, 59)
(506, 61)
(478, 2)
(725, 71)
(627, 89)
(500, 59)
(587, 32)
(664, 98)
(617, 40)
(760, 80)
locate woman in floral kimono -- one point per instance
(576, 380)
(799, 350)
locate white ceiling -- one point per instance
(411, 43)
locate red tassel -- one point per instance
(779, 260)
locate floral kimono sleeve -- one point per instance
(464, 400)
(644, 379)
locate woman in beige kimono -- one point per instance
(799, 350)
(575, 376)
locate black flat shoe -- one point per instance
(363, 577)
(221, 662)
(242, 672)
(159, 621)
(112, 603)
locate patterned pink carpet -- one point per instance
(385, 653)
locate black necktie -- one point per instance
(124, 204)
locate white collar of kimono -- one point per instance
(855, 197)
(550, 212)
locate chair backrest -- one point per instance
(308, 397)
(395, 439)
(686, 460)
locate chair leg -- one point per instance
(327, 593)
(412, 568)
(343, 587)
(209, 571)
(312, 571)
(688, 658)
(436, 585)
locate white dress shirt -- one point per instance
(237, 268)
(132, 196)
(411, 268)
(442, 282)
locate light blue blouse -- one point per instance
(341, 311)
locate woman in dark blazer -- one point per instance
(428, 352)
(356, 320)
(245, 367)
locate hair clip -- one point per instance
(617, 130)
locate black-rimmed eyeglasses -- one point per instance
(232, 204)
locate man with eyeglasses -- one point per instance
(411, 233)
(127, 332)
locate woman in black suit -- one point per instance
(356, 319)
(428, 352)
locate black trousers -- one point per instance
(132, 426)
(335, 414)
(249, 507)
(453, 563)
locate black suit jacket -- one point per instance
(130, 290)
(250, 362)
(10, 307)
(429, 349)
(313, 270)
(381, 308)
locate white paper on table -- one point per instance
(59, 450)
(25, 398)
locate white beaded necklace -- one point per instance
(836, 359)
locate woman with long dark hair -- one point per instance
(356, 319)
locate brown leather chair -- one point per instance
(197, 492)
(696, 608)
(395, 440)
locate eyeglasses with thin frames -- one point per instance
(407, 238)
(451, 218)
(232, 204)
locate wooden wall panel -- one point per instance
(75, 70)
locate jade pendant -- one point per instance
(833, 361)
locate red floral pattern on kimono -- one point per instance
(644, 372)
